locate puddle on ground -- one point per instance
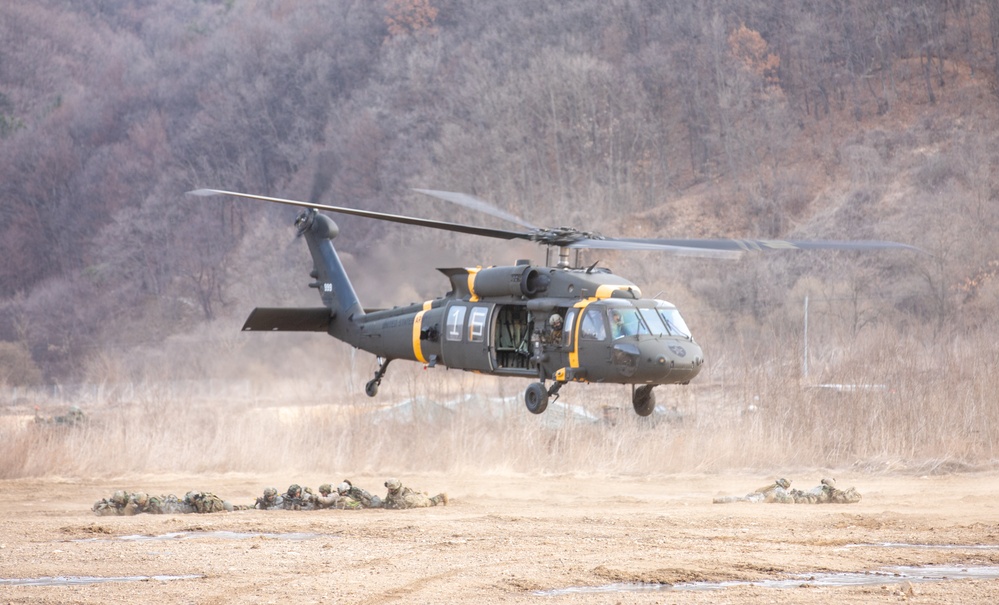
(221, 535)
(889, 575)
(77, 580)
(926, 546)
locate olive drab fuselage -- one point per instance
(508, 334)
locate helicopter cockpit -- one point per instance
(645, 341)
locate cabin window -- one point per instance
(477, 324)
(568, 327)
(455, 322)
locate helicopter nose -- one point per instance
(679, 361)
(659, 362)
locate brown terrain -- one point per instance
(513, 539)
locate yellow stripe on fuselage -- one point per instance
(574, 354)
(471, 283)
(417, 326)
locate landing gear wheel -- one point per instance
(371, 388)
(536, 398)
(644, 400)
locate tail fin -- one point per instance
(331, 278)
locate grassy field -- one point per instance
(905, 407)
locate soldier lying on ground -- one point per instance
(773, 492)
(404, 497)
(331, 498)
(125, 503)
(780, 492)
(298, 498)
(826, 492)
(271, 500)
(207, 502)
(362, 496)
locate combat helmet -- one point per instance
(325, 489)
(294, 490)
(140, 498)
(270, 493)
(393, 484)
(344, 487)
(120, 497)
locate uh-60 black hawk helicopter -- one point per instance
(558, 324)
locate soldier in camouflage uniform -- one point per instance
(404, 497)
(331, 498)
(298, 498)
(115, 505)
(206, 502)
(773, 492)
(125, 503)
(826, 492)
(326, 497)
(362, 496)
(167, 505)
(271, 500)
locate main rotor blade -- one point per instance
(763, 245)
(474, 203)
(637, 244)
(382, 216)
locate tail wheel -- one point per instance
(644, 400)
(536, 398)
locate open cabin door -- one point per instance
(512, 339)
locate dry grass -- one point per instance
(921, 408)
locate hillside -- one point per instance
(635, 118)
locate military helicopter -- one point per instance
(560, 323)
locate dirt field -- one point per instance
(507, 539)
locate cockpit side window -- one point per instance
(592, 326)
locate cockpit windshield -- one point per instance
(626, 321)
(619, 320)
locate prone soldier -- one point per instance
(403, 497)
(826, 492)
(772, 492)
(167, 505)
(362, 496)
(207, 502)
(115, 505)
(271, 500)
(124, 503)
(327, 498)
(298, 498)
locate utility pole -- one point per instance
(804, 361)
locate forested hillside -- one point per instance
(841, 119)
